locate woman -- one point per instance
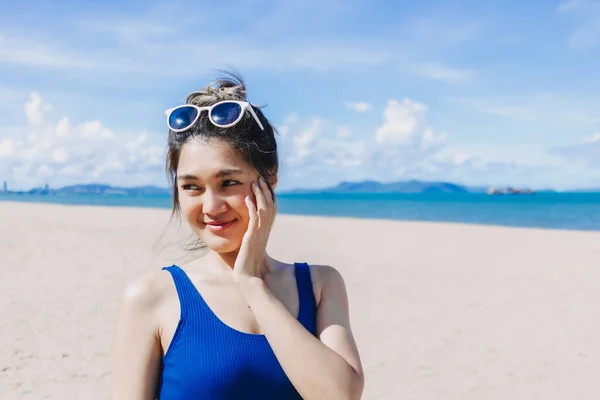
(234, 323)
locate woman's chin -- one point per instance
(221, 244)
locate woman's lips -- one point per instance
(219, 227)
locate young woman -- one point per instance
(235, 323)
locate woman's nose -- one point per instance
(213, 203)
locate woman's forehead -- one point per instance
(208, 158)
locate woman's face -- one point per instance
(212, 182)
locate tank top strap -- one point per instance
(308, 304)
(186, 291)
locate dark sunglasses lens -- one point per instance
(225, 113)
(182, 118)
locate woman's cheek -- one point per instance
(240, 203)
(190, 208)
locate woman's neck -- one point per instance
(226, 261)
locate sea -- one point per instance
(568, 211)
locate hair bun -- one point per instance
(231, 87)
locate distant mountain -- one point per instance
(412, 186)
(477, 189)
(97, 189)
(367, 186)
(111, 190)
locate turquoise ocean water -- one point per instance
(578, 211)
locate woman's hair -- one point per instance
(257, 147)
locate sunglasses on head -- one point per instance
(222, 114)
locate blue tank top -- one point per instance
(208, 359)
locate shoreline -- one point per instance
(334, 217)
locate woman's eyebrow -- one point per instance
(228, 172)
(222, 173)
(187, 177)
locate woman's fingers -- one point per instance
(252, 225)
(261, 201)
(264, 204)
(269, 196)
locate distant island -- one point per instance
(412, 186)
(368, 186)
(93, 189)
(508, 190)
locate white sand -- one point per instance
(440, 311)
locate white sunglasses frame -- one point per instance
(243, 104)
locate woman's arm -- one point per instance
(137, 349)
(324, 368)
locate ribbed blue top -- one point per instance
(208, 359)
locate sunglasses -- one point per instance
(222, 114)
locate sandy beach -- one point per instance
(439, 311)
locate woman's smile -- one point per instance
(219, 226)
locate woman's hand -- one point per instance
(250, 261)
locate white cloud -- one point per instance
(33, 108)
(592, 139)
(344, 133)
(454, 158)
(94, 129)
(59, 155)
(63, 127)
(402, 121)
(359, 107)
(570, 5)
(546, 110)
(441, 73)
(117, 44)
(314, 151)
(7, 148)
(317, 153)
(286, 126)
(127, 30)
(328, 153)
(441, 30)
(36, 53)
(499, 109)
(65, 153)
(304, 141)
(406, 123)
(585, 154)
(145, 54)
(586, 35)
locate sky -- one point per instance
(480, 93)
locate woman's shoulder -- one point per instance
(323, 273)
(148, 290)
(325, 277)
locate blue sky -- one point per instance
(485, 93)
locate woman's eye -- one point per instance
(190, 187)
